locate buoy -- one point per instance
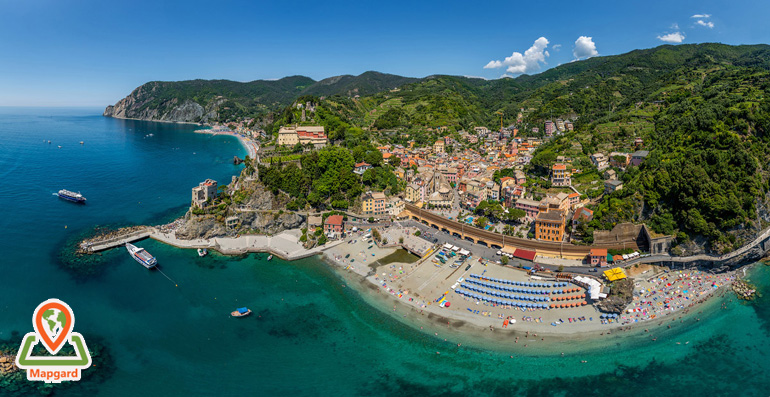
(65, 226)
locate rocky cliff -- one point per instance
(150, 102)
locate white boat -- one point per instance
(202, 252)
(270, 257)
(142, 256)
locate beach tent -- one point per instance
(615, 273)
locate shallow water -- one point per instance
(312, 332)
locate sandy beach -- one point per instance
(250, 146)
(419, 287)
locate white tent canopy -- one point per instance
(594, 287)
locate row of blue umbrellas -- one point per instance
(504, 302)
(504, 295)
(511, 289)
(610, 315)
(522, 283)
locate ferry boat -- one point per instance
(140, 255)
(202, 252)
(241, 312)
(71, 196)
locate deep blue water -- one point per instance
(310, 334)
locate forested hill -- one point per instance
(439, 100)
(222, 100)
(703, 111)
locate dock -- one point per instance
(116, 241)
(285, 245)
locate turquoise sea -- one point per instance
(313, 332)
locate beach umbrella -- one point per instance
(584, 303)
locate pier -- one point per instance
(285, 245)
(118, 239)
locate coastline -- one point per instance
(250, 146)
(375, 287)
(154, 121)
(525, 339)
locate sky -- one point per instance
(93, 53)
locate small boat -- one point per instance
(71, 196)
(81, 142)
(270, 257)
(241, 312)
(202, 252)
(59, 146)
(142, 256)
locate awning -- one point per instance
(525, 254)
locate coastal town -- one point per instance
(456, 206)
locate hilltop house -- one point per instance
(638, 157)
(290, 136)
(203, 192)
(599, 161)
(361, 167)
(560, 176)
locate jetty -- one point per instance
(285, 245)
(114, 239)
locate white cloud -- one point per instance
(675, 26)
(708, 24)
(556, 47)
(676, 37)
(506, 76)
(528, 62)
(584, 48)
(701, 16)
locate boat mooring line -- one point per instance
(169, 278)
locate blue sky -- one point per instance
(92, 53)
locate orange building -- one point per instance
(549, 225)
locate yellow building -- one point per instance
(438, 147)
(549, 225)
(412, 193)
(560, 175)
(373, 204)
(290, 136)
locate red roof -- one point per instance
(335, 220)
(573, 195)
(525, 254)
(598, 252)
(363, 164)
(306, 134)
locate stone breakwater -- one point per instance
(7, 364)
(109, 237)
